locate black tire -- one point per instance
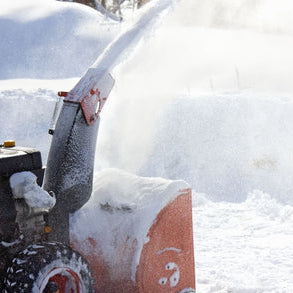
(32, 269)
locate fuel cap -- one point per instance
(9, 143)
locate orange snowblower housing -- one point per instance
(140, 246)
(167, 260)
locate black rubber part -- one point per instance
(28, 267)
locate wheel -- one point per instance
(48, 267)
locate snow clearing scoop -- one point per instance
(140, 235)
(154, 254)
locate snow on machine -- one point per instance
(55, 236)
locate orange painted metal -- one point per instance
(166, 262)
(102, 273)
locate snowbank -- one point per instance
(269, 16)
(51, 40)
(25, 116)
(243, 247)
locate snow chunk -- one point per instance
(119, 188)
(24, 185)
(265, 205)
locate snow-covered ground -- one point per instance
(208, 99)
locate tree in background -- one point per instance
(141, 2)
(91, 3)
(110, 6)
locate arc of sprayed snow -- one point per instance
(119, 49)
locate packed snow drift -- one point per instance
(207, 99)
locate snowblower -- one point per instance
(52, 240)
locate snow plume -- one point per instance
(148, 19)
(192, 61)
(271, 16)
(226, 146)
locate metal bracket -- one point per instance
(94, 101)
(92, 105)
